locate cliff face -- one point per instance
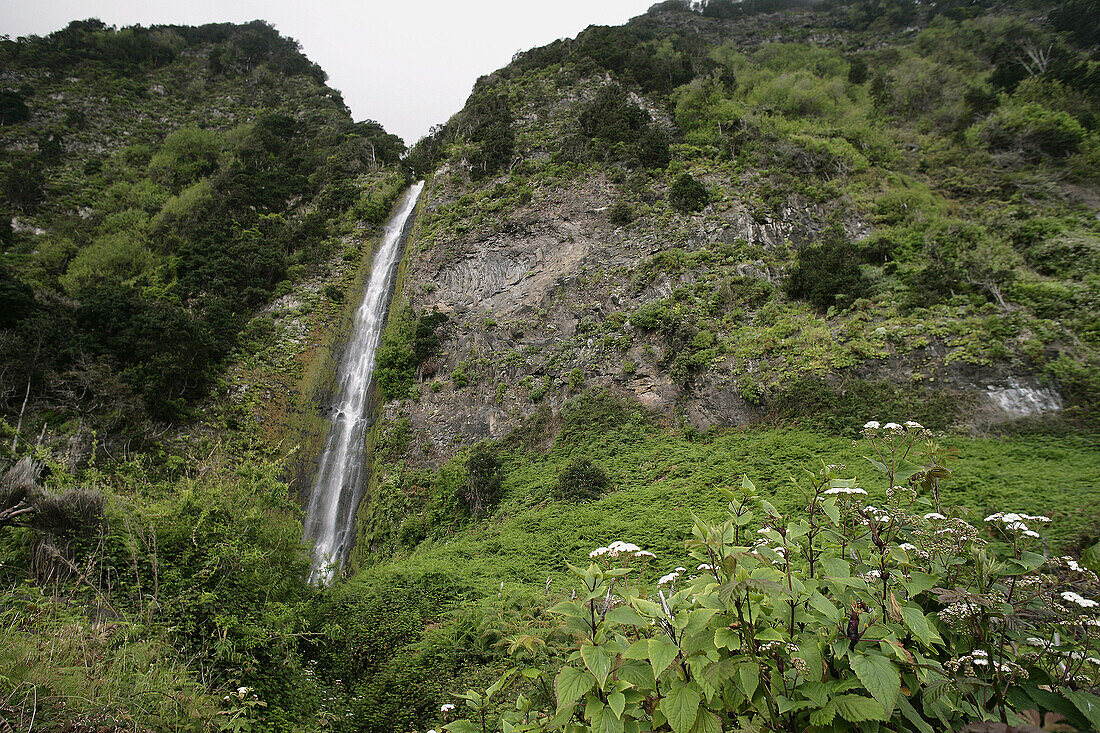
(772, 216)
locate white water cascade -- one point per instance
(339, 484)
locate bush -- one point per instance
(580, 480)
(484, 480)
(334, 293)
(1034, 131)
(687, 194)
(899, 617)
(620, 214)
(828, 274)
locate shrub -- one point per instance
(334, 293)
(847, 617)
(620, 214)
(484, 480)
(1032, 130)
(687, 194)
(581, 479)
(828, 274)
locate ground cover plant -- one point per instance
(848, 616)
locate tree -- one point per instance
(581, 479)
(687, 194)
(13, 108)
(484, 480)
(827, 273)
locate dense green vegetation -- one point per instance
(159, 239)
(920, 174)
(172, 258)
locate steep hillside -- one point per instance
(188, 215)
(161, 185)
(733, 216)
(663, 280)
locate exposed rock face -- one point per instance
(540, 303)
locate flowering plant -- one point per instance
(894, 617)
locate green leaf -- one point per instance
(770, 634)
(913, 716)
(661, 654)
(921, 627)
(598, 661)
(461, 726)
(571, 683)
(832, 511)
(605, 721)
(638, 650)
(1087, 703)
(648, 607)
(879, 466)
(698, 619)
(823, 716)
(617, 702)
(625, 615)
(707, 722)
(825, 607)
(727, 638)
(769, 508)
(856, 708)
(748, 676)
(810, 651)
(681, 706)
(918, 582)
(879, 675)
(639, 674)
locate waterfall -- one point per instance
(339, 485)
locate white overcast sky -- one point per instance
(407, 63)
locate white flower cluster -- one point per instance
(1079, 599)
(879, 515)
(618, 547)
(872, 426)
(670, 578)
(446, 707)
(1014, 522)
(1075, 567)
(958, 614)
(845, 490)
(980, 658)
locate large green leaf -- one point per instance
(707, 722)
(598, 661)
(825, 607)
(605, 721)
(748, 677)
(637, 673)
(681, 706)
(617, 702)
(461, 726)
(823, 716)
(879, 675)
(921, 627)
(626, 615)
(1087, 703)
(571, 683)
(856, 708)
(661, 653)
(913, 716)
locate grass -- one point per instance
(660, 478)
